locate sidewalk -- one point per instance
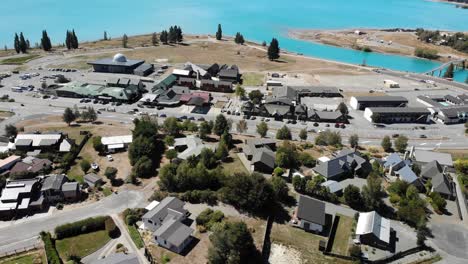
(461, 202)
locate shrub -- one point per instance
(85, 166)
(306, 159)
(158, 195)
(59, 206)
(51, 252)
(426, 53)
(208, 218)
(112, 230)
(97, 145)
(278, 171)
(87, 225)
(355, 251)
(110, 172)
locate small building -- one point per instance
(425, 156)
(310, 214)
(391, 115)
(117, 143)
(441, 183)
(452, 114)
(216, 86)
(373, 230)
(31, 165)
(327, 116)
(346, 162)
(165, 220)
(362, 102)
(391, 84)
(71, 191)
(333, 186)
(93, 180)
(261, 154)
(118, 64)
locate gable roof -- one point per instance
(372, 222)
(406, 174)
(431, 169)
(53, 182)
(161, 210)
(174, 232)
(426, 156)
(265, 156)
(311, 210)
(92, 177)
(441, 184)
(333, 186)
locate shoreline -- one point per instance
(394, 41)
(458, 5)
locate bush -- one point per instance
(355, 251)
(110, 173)
(87, 225)
(199, 196)
(112, 230)
(97, 145)
(51, 252)
(306, 160)
(208, 218)
(131, 216)
(278, 171)
(85, 166)
(158, 195)
(426, 53)
(328, 138)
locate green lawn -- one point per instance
(306, 243)
(106, 191)
(26, 258)
(82, 245)
(252, 79)
(234, 166)
(135, 235)
(343, 233)
(19, 60)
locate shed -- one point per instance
(92, 179)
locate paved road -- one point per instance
(18, 234)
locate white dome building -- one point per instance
(119, 57)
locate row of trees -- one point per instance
(174, 35)
(400, 144)
(87, 115)
(71, 40)
(21, 44)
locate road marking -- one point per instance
(422, 144)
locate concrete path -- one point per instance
(126, 236)
(461, 202)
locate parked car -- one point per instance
(316, 124)
(110, 158)
(395, 135)
(422, 136)
(160, 107)
(337, 125)
(94, 166)
(201, 119)
(253, 118)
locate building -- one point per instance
(31, 165)
(345, 163)
(397, 115)
(452, 115)
(216, 86)
(229, 74)
(440, 181)
(391, 84)
(373, 230)
(310, 214)
(8, 163)
(425, 156)
(362, 102)
(327, 116)
(71, 191)
(190, 146)
(261, 154)
(52, 187)
(165, 220)
(199, 99)
(396, 167)
(20, 197)
(116, 143)
(165, 84)
(93, 180)
(333, 186)
(44, 142)
(120, 93)
(120, 64)
(118, 258)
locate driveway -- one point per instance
(451, 238)
(19, 234)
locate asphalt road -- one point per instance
(20, 233)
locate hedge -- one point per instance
(111, 228)
(51, 252)
(87, 225)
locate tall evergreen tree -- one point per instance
(124, 41)
(172, 34)
(239, 39)
(163, 37)
(28, 44)
(74, 38)
(105, 35)
(273, 50)
(449, 72)
(154, 39)
(17, 44)
(22, 43)
(45, 41)
(179, 35)
(219, 33)
(68, 40)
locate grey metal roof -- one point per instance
(274, 109)
(70, 186)
(384, 98)
(174, 232)
(400, 110)
(431, 169)
(110, 61)
(92, 177)
(23, 142)
(230, 73)
(331, 168)
(118, 258)
(47, 142)
(326, 115)
(426, 156)
(311, 210)
(53, 182)
(455, 111)
(265, 156)
(406, 174)
(161, 209)
(333, 186)
(144, 67)
(441, 184)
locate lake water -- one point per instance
(257, 20)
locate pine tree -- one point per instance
(45, 41)
(449, 72)
(163, 37)
(105, 35)
(219, 33)
(22, 43)
(154, 39)
(124, 41)
(68, 40)
(239, 39)
(17, 44)
(74, 39)
(28, 44)
(172, 35)
(273, 50)
(179, 35)
(6, 48)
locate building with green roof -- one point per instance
(95, 91)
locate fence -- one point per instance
(266, 239)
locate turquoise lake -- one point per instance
(257, 20)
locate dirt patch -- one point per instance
(280, 254)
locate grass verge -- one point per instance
(19, 60)
(82, 245)
(252, 79)
(135, 235)
(343, 233)
(31, 257)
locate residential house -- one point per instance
(71, 191)
(8, 162)
(31, 165)
(310, 214)
(373, 230)
(261, 154)
(216, 86)
(345, 163)
(165, 220)
(402, 169)
(425, 156)
(44, 142)
(333, 186)
(21, 197)
(440, 181)
(191, 146)
(52, 187)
